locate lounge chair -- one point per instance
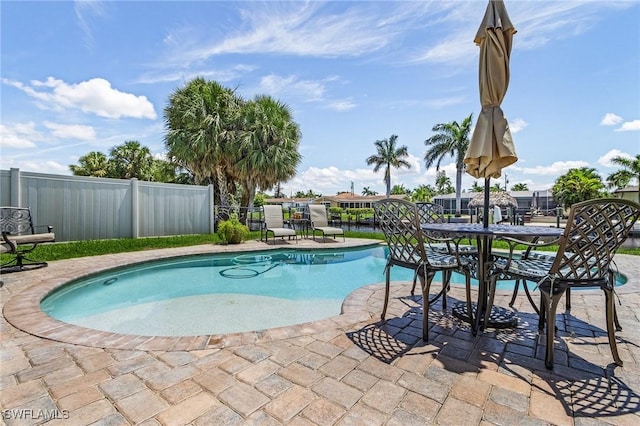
(274, 224)
(320, 223)
(19, 237)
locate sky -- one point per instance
(87, 76)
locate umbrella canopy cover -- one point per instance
(491, 147)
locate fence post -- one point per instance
(15, 188)
(135, 209)
(212, 211)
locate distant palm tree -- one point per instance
(443, 183)
(424, 193)
(630, 171)
(367, 191)
(476, 187)
(131, 160)
(451, 139)
(520, 187)
(577, 185)
(388, 156)
(93, 164)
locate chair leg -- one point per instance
(415, 279)
(567, 304)
(611, 313)
(446, 280)
(492, 295)
(21, 262)
(515, 293)
(425, 304)
(551, 325)
(472, 321)
(386, 292)
(528, 294)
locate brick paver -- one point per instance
(340, 371)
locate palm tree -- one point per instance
(267, 153)
(400, 190)
(476, 187)
(520, 187)
(578, 185)
(630, 171)
(366, 191)
(93, 164)
(443, 183)
(423, 193)
(388, 156)
(451, 139)
(201, 120)
(131, 160)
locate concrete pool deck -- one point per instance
(349, 369)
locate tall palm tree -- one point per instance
(630, 172)
(388, 156)
(201, 121)
(451, 139)
(93, 164)
(268, 142)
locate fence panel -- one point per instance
(87, 208)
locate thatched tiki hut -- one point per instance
(500, 199)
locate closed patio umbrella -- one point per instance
(491, 147)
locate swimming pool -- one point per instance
(222, 293)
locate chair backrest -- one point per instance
(594, 232)
(399, 220)
(318, 215)
(430, 213)
(16, 220)
(273, 216)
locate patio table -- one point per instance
(499, 317)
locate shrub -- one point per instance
(232, 231)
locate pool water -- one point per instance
(222, 293)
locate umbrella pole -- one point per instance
(485, 215)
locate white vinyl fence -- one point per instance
(89, 208)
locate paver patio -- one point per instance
(346, 370)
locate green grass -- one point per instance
(60, 251)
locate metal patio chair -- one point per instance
(400, 223)
(20, 237)
(594, 232)
(434, 213)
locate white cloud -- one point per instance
(71, 131)
(610, 119)
(517, 125)
(605, 160)
(294, 28)
(292, 86)
(629, 126)
(94, 96)
(85, 10)
(19, 135)
(342, 105)
(557, 168)
(222, 75)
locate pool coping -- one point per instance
(23, 310)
